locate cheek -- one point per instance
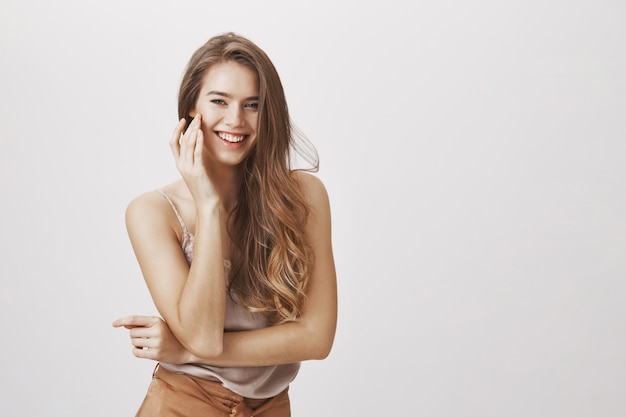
(209, 118)
(207, 130)
(253, 121)
(206, 125)
(207, 110)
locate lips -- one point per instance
(231, 137)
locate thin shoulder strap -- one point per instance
(180, 219)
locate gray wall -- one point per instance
(475, 157)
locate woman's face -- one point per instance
(229, 105)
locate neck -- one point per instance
(227, 184)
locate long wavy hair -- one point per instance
(272, 260)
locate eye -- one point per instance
(253, 105)
(218, 101)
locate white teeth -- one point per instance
(230, 138)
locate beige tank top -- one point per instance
(250, 382)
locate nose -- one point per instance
(233, 116)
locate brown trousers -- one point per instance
(179, 395)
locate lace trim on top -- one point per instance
(188, 238)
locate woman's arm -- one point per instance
(191, 299)
(310, 337)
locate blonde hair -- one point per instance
(272, 261)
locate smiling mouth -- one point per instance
(229, 137)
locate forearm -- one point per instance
(199, 322)
(275, 345)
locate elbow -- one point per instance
(202, 339)
(321, 350)
(321, 336)
(321, 347)
(207, 347)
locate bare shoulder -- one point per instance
(148, 203)
(149, 211)
(152, 204)
(313, 190)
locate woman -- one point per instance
(237, 254)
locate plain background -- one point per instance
(475, 157)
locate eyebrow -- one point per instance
(223, 94)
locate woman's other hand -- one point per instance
(188, 148)
(152, 339)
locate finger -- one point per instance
(144, 353)
(124, 322)
(144, 342)
(133, 321)
(199, 146)
(175, 139)
(147, 331)
(189, 140)
(139, 342)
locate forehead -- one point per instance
(232, 78)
